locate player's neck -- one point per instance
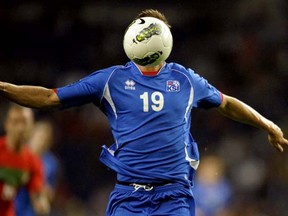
(150, 69)
(13, 145)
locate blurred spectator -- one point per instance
(40, 144)
(18, 165)
(213, 191)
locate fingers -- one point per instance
(279, 147)
(285, 142)
(278, 142)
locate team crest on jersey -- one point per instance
(172, 86)
(130, 85)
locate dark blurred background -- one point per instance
(241, 47)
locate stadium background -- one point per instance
(239, 46)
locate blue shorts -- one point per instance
(166, 200)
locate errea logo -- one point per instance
(130, 85)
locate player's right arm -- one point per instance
(241, 112)
(30, 96)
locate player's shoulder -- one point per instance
(27, 152)
(34, 160)
(179, 68)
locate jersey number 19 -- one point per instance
(156, 100)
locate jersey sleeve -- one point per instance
(206, 96)
(87, 90)
(36, 181)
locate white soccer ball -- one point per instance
(148, 41)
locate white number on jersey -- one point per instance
(157, 100)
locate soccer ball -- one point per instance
(148, 41)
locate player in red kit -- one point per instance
(18, 165)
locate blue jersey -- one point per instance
(150, 119)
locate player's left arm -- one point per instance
(30, 96)
(241, 112)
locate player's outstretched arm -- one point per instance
(30, 96)
(239, 111)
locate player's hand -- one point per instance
(41, 205)
(276, 138)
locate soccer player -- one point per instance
(149, 109)
(40, 143)
(18, 165)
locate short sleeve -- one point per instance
(36, 181)
(206, 96)
(87, 90)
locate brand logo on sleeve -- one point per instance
(172, 86)
(130, 85)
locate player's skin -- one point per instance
(44, 98)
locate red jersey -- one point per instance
(17, 169)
